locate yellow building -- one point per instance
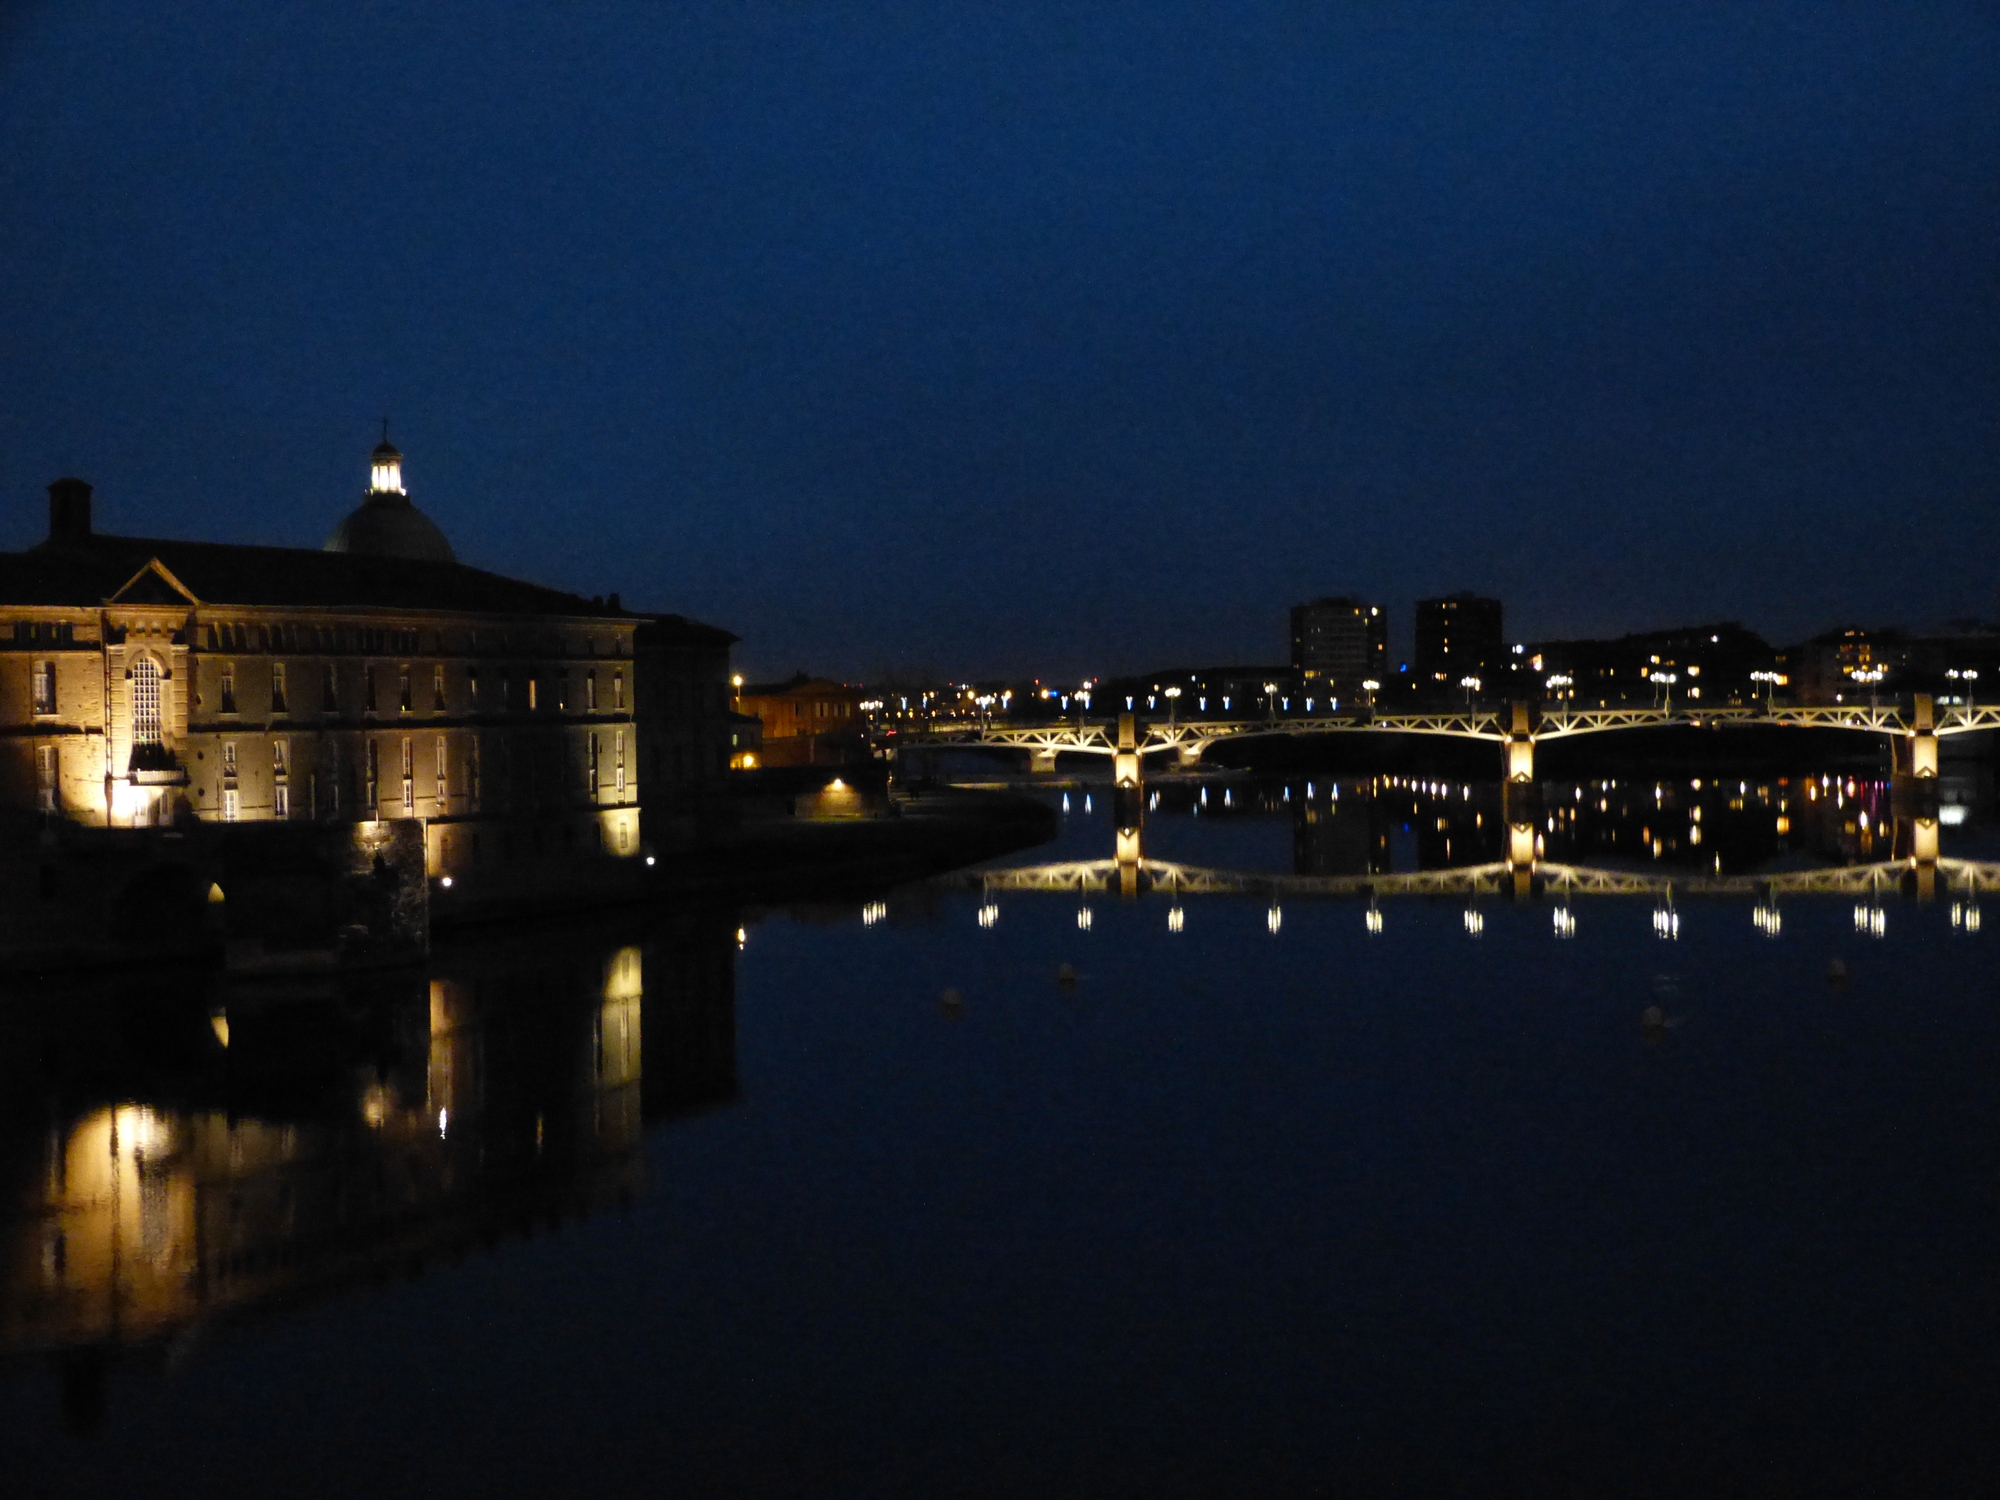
(804, 720)
(147, 683)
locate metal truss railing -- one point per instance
(1555, 721)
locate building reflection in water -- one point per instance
(176, 1152)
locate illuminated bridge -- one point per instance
(1516, 728)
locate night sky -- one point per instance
(1054, 338)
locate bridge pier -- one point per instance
(1923, 740)
(1125, 767)
(1041, 762)
(1518, 751)
(1187, 755)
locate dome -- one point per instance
(387, 525)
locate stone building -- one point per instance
(154, 683)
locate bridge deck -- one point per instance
(1552, 723)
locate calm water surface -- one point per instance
(740, 1203)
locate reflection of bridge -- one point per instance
(1516, 728)
(1111, 876)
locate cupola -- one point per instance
(385, 523)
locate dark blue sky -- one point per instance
(1000, 337)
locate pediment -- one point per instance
(154, 584)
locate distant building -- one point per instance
(1232, 692)
(1718, 663)
(805, 720)
(1340, 643)
(1459, 636)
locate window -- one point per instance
(403, 694)
(472, 688)
(229, 687)
(562, 691)
(329, 689)
(277, 687)
(532, 694)
(472, 771)
(281, 800)
(443, 775)
(47, 795)
(368, 689)
(591, 774)
(370, 792)
(229, 759)
(618, 692)
(231, 804)
(437, 689)
(45, 687)
(618, 749)
(409, 778)
(281, 788)
(146, 701)
(590, 691)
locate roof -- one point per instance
(89, 571)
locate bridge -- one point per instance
(1516, 727)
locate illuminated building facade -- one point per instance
(1341, 643)
(804, 720)
(149, 683)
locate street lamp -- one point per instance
(1772, 681)
(1173, 697)
(1271, 700)
(1871, 676)
(1471, 686)
(1666, 681)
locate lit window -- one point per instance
(618, 692)
(590, 691)
(403, 693)
(443, 774)
(409, 778)
(47, 793)
(368, 689)
(146, 701)
(437, 688)
(45, 687)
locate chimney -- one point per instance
(69, 511)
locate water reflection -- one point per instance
(180, 1151)
(1394, 836)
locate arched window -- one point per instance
(145, 701)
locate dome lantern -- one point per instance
(385, 523)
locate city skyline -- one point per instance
(1048, 341)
